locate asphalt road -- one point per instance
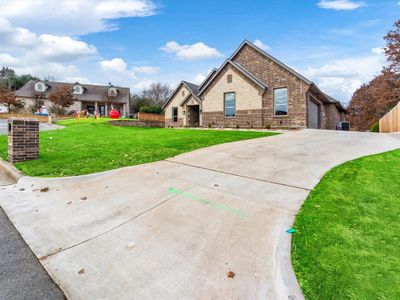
(21, 274)
(42, 126)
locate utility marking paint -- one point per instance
(189, 196)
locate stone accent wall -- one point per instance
(170, 123)
(134, 123)
(23, 139)
(275, 76)
(243, 119)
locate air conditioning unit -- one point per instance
(345, 126)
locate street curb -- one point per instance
(10, 170)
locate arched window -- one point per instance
(78, 90)
(112, 92)
(40, 87)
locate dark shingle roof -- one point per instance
(194, 88)
(91, 92)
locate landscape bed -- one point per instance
(347, 244)
(87, 146)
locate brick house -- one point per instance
(90, 97)
(252, 89)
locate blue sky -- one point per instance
(335, 43)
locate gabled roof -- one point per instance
(187, 98)
(209, 76)
(91, 92)
(193, 89)
(241, 69)
(286, 67)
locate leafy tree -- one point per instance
(12, 81)
(62, 98)
(157, 93)
(373, 100)
(137, 102)
(8, 98)
(152, 110)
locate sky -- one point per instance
(335, 43)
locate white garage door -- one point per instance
(313, 114)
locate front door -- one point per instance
(193, 115)
(313, 115)
(102, 110)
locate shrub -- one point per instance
(152, 110)
(375, 127)
(268, 126)
(57, 110)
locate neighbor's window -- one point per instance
(229, 78)
(40, 87)
(175, 114)
(281, 102)
(77, 90)
(230, 110)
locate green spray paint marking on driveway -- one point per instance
(189, 196)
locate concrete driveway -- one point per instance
(42, 126)
(174, 229)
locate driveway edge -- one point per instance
(8, 169)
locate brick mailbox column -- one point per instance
(23, 139)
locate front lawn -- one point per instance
(348, 240)
(88, 146)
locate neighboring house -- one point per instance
(89, 97)
(252, 90)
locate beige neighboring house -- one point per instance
(90, 97)
(252, 89)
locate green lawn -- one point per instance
(88, 146)
(348, 244)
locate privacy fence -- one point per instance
(150, 117)
(391, 121)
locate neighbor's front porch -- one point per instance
(104, 108)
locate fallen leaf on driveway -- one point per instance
(69, 202)
(230, 274)
(45, 189)
(81, 271)
(83, 198)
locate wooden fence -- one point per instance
(391, 121)
(150, 117)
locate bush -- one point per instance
(375, 127)
(152, 110)
(57, 110)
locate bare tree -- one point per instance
(157, 93)
(392, 49)
(8, 98)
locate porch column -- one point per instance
(125, 110)
(96, 107)
(106, 109)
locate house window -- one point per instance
(230, 110)
(112, 92)
(174, 114)
(39, 87)
(77, 90)
(281, 102)
(229, 78)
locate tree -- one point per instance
(63, 97)
(157, 93)
(392, 49)
(12, 81)
(8, 98)
(373, 100)
(136, 102)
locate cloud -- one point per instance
(41, 55)
(73, 17)
(144, 84)
(114, 65)
(197, 51)
(146, 70)
(261, 45)
(340, 78)
(199, 78)
(340, 4)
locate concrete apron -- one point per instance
(175, 228)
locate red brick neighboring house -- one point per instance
(90, 97)
(252, 89)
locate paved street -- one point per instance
(177, 228)
(42, 126)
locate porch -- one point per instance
(103, 108)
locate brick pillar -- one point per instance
(23, 139)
